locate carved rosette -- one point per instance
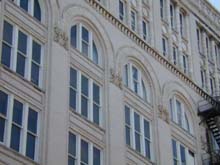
(116, 78)
(163, 113)
(61, 37)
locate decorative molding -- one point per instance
(61, 37)
(116, 78)
(151, 51)
(163, 113)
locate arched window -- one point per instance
(32, 7)
(133, 79)
(178, 113)
(83, 39)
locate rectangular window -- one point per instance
(183, 155)
(133, 20)
(73, 88)
(127, 126)
(125, 75)
(174, 148)
(212, 85)
(3, 114)
(84, 153)
(162, 9)
(185, 64)
(135, 79)
(181, 24)
(174, 55)
(73, 37)
(121, 10)
(96, 103)
(31, 133)
(198, 39)
(85, 41)
(179, 112)
(72, 149)
(137, 132)
(145, 29)
(36, 63)
(16, 125)
(172, 16)
(7, 44)
(85, 96)
(164, 45)
(96, 156)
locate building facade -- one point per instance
(100, 82)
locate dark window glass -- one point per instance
(72, 99)
(2, 129)
(6, 55)
(74, 36)
(137, 122)
(84, 106)
(30, 148)
(73, 78)
(35, 73)
(161, 8)
(37, 10)
(96, 156)
(71, 161)
(144, 26)
(20, 64)
(127, 115)
(84, 152)
(36, 52)
(24, 4)
(17, 112)
(183, 155)
(22, 42)
(174, 147)
(3, 103)
(85, 85)
(85, 41)
(15, 137)
(121, 10)
(96, 114)
(128, 137)
(72, 144)
(85, 34)
(7, 32)
(138, 142)
(147, 149)
(96, 95)
(32, 121)
(146, 129)
(95, 57)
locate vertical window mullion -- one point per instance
(31, 7)
(14, 51)
(29, 58)
(90, 154)
(90, 45)
(9, 116)
(78, 149)
(25, 123)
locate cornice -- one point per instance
(148, 49)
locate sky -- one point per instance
(215, 3)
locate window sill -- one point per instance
(21, 78)
(138, 155)
(17, 156)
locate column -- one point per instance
(139, 18)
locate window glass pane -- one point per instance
(147, 148)
(146, 129)
(144, 91)
(7, 32)
(32, 121)
(137, 122)
(135, 73)
(20, 64)
(74, 36)
(73, 78)
(36, 52)
(125, 75)
(133, 20)
(3, 103)
(30, 148)
(37, 10)
(71, 161)
(85, 34)
(179, 115)
(96, 93)
(174, 148)
(121, 10)
(6, 55)
(95, 57)
(22, 42)
(15, 138)
(137, 142)
(24, 4)
(84, 152)
(85, 85)
(128, 135)
(72, 99)
(84, 106)
(72, 144)
(85, 48)
(95, 114)
(127, 115)
(35, 73)
(2, 129)
(96, 156)
(17, 112)
(183, 156)
(187, 123)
